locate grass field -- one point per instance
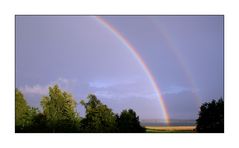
(170, 129)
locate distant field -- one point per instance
(170, 129)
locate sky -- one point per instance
(83, 56)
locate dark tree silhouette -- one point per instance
(211, 117)
(128, 122)
(39, 124)
(99, 118)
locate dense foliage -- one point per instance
(24, 113)
(59, 115)
(128, 122)
(59, 111)
(211, 117)
(99, 118)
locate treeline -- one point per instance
(59, 115)
(211, 117)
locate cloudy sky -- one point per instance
(81, 55)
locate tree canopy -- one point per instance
(99, 118)
(128, 122)
(59, 114)
(24, 113)
(59, 110)
(211, 117)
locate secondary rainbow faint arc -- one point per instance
(138, 57)
(181, 60)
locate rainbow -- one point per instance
(181, 60)
(140, 60)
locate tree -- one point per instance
(24, 113)
(59, 111)
(211, 117)
(128, 122)
(99, 118)
(39, 124)
(59, 115)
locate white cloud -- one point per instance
(177, 89)
(125, 95)
(109, 83)
(104, 94)
(43, 89)
(36, 89)
(98, 84)
(123, 89)
(65, 83)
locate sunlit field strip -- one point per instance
(170, 129)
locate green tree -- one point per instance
(59, 111)
(211, 117)
(128, 122)
(39, 124)
(99, 118)
(24, 113)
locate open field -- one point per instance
(170, 129)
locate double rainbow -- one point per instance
(138, 57)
